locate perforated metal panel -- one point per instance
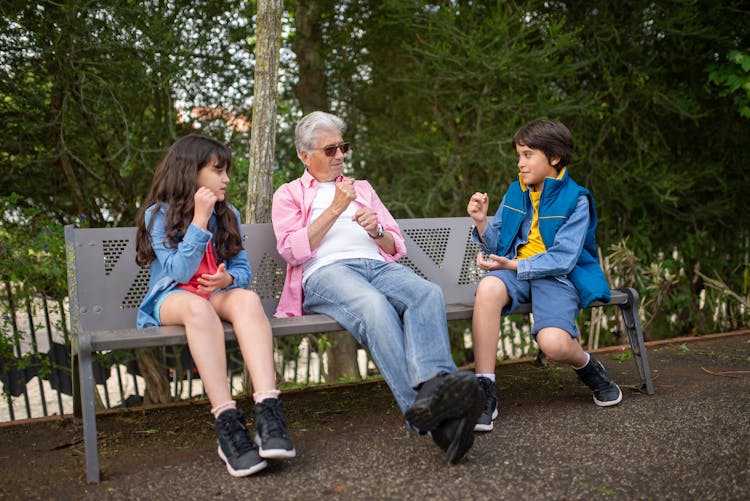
(432, 241)
(112, 250)
(138, 289)
(268, 278)
(470, 272)
(441, 250)
(109, 285)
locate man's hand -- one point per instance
(367, 219)
(344, 195)
(210, 283)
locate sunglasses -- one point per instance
(330, 151)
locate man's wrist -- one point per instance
(379, 234)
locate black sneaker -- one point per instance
(270, 427)
(606, 392)
(484, 423)
(235, 447)
(446, 396)
(456, 436)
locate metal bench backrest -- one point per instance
(107, 286)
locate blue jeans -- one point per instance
(395, 313)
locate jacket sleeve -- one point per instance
(563, 255)
(179, 263)
(238, 266)
(292, 242)
(490, 239)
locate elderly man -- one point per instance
(341, 246)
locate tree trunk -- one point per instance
(263, 132)
(157, 384)
(307, 45)
(342, 357)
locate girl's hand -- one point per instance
(494, 262)
(219, 280)
(204, 205)
(477, 207)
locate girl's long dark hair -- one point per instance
(173, 186)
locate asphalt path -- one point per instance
(691, 440)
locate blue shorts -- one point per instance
(554, 300)
(160, 300)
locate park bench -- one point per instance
(106, 286)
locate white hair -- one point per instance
(311, 125)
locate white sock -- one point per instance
(588, 357)
(260, 396)
(490, 376)
(221, 408)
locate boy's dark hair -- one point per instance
(549, 136)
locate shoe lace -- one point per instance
(597, 378)
(271, 420)
(235, 431)
(486, 385)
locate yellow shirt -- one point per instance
(535, 245)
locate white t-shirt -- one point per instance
(345, 240)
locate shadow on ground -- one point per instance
(691, 440)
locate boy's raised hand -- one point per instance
(204, 200)
(477, 207)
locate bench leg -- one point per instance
(86, 375)
(635, 336)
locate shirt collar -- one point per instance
(308, 181)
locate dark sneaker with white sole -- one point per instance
(446, 396)
(271, 433)
(447, 406)
(235, 447)
(456, 436)
(606, 392)
(489, 414)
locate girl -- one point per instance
(192, 239)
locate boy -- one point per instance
(540, 248)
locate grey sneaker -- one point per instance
(271, 434)
(235, 447)
(606, 393)
(484, 423)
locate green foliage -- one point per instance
(99, 94)
(655, 93)
(734, 79)
(32, 254)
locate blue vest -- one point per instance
(557, 202)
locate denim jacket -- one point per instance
(174, 266)
(567, 222)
